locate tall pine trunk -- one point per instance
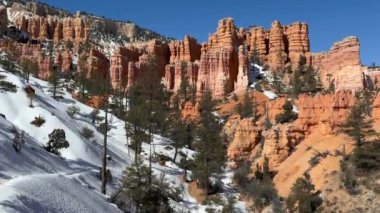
(175, 153)
(104, 160)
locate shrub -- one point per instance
(314, 160)
(87, 133)
(7, 86)
(267, 123)
(347, 177)
(72, 111)
(262, 192)
(229, 207)
(367, 157)
(102, 128)
(57, 140)
(215, 199)
(302, 196)
(38, 121)
(94, 115)
(288, 115)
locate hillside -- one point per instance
(250, 121)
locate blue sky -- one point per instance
(329, 20)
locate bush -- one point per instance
(367, 157)
(288, 115)
(57, 140)
(262, 192)
(302, 197)
(72, 111)
(347, 177)
(38, 121)
(87, 133)
(94, 115)
(314, 160)
(215, 199)
(102, 128)
(229, 207)
(7, 86)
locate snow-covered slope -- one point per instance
(35, 180)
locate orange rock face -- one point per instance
(329, 110)
(186, 50)
(98, 63)
(174, 72)
(280, 45)
(75, 29)
(342, 64)
(121, 68)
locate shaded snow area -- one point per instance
(35, 180)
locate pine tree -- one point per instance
(136, 183)
(302, 196)
(210, 154)
(261, 188)
(245, 109)
(278, 86)
(311, 81)
(137, 189)
(29, 67)
(105, 94)
(296, 82)
(184, 87)
(55, 83)
(81, 77)
(358, 124)
(179, 134)
(267, 122)
(287, 115)
(148, 106)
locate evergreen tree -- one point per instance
(296, 82)
(57, 140)
(287, 115)
(302, 196)
(184, 88)
(245, 109)
(81, 77)
(179, 134)
(267, 122)
(136, 183)
(311, 81)
(105, 94)
(29, 67)
(210, 154)
(278, 86)
(144, 195)
(148, 106)
(55, 83)
(261, 188)
(358, 124)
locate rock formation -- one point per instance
(280, 45)
(187, 50)
(218, 68)
(342, 64)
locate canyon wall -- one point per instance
(341, 64)
(221, 64)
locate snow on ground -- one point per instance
(270, 95)
(35, 180)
